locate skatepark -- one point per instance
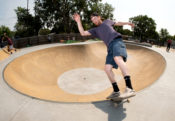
(66, 82)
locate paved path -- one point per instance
(155, 103)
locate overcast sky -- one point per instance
(162, 11)
(7, 13)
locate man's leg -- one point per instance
(110, 74)
(122, 65)
(129, 92)
(168, 48)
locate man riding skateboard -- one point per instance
(9, 43)
(117, 54)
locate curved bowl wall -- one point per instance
(35, 74)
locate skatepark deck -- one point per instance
(154, 103)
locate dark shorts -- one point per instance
(116, 48)
(168, 45)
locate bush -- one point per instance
(71, 41)
(4, 29)
(44, 32)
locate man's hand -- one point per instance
(76, 17)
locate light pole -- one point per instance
(27, 5)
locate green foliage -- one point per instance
(71, 41)
(127, 32)
(44, 32)
(164, 35)
(173, 37)
(119, 29)
(123, 31)
(57, 14)
(145, 27)
(26, 25)
(4, 29)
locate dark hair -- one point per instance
(95, 14)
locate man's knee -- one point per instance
(118, 59)
(108, 68)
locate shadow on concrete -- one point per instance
(115, 113)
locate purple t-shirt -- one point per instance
(105, 31)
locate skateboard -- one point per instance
(9, 52)
(120, 101)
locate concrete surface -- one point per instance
(36, 73)
(155, 103)
(84, 81)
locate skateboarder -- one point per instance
(1, 43)
(9, 42)
(169, 42)
(117, 54)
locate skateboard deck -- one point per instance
(119, 101)
(9, 52)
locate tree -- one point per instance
(173, 37)
(164, 35)
(57, 14)
(127, 32)
(26, 25)
(104, 10)
(44, 32)
(145, 27)
(4, 29)
(123, 31)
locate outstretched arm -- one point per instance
(124, 23)
(80, 27)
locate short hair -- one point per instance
(95, 14)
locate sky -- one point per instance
(7, 14)
(161, 11)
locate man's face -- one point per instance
(95, 20)
(4, 34)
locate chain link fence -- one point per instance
(46, 39)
